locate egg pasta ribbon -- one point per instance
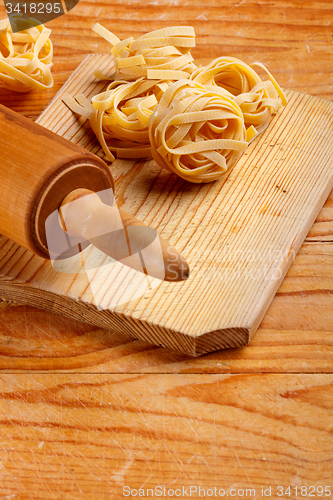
(257, 99)
(25, 58)
(197, 133)
(120, 116)
(161, 54)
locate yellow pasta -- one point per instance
(195, 132)
(258, 100)
(120, 116)
(128, 62)
(166, 50)
(25, 58)
(195, 122)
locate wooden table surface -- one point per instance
(85, 413)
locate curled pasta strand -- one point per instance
(120, 116)
(25, 58)
(200, 136)
(258, 100)
(164, 50)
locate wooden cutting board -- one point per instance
(239, 234)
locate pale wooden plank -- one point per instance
(34, 339)
(276, 191)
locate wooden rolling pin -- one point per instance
(56, 198)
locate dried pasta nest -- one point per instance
(161, 54)
(197, 132)
(120, 116)
(25, 58)
(258, 99)
(195, 122)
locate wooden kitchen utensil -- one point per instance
(39, 169)
(239, 234)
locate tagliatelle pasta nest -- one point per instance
(257, 99)
(120, 116)
(195, 122)
(162, 54)
(25, 58)
(196, 132)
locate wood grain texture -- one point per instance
(88, 436)
(293, 37)
(300, 316)
(276, 191)
(59, 450)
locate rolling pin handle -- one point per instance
(121, 236)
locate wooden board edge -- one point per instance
(293, 251)
(22, 294)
